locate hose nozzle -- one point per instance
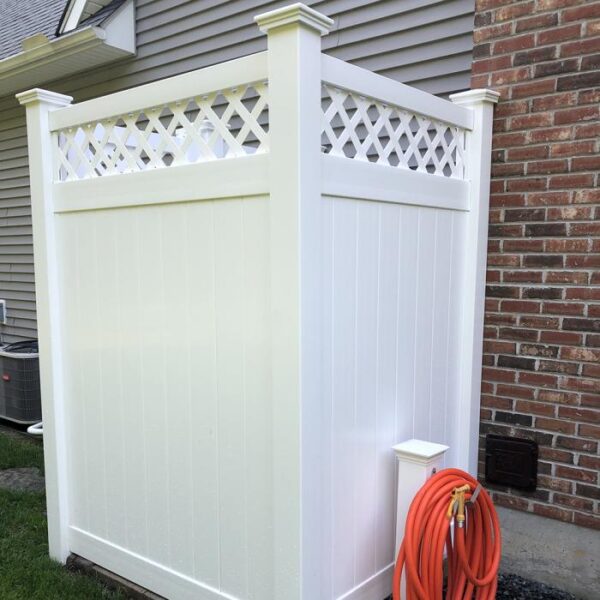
(457, 504)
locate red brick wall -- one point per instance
(541, 376)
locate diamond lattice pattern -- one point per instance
(223, 124)
(362, 128)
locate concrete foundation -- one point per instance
(555, 553)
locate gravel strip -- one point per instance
(22, 479)
(513, 587)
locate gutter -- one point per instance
(51, 51)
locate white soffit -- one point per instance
(43, 60)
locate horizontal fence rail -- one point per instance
(339, 73)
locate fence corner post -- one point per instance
(478, 151)
(39, 103)
(295, 119)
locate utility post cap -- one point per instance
(294, 13)
(419, 451)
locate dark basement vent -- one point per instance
(511, 461)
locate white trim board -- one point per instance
(233, 73)
(162, 580)
(350, 77)
(376, 586)
(216, 179)
(348, 178)
(173, 584)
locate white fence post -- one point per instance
(39, 103)
(478, 150)
(294, 57)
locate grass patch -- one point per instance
(26, 571)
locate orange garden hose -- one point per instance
(473, 550)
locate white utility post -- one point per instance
(417, 462)
(478, 152)
(39, 103)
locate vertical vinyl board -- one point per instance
(82, 235)
(154, 382)
(407, 307)
(440, 359)
(426, 273)
(344, 391)
(108, 309)
(387, 326)
(365, 482)
(131, 375)
(258, 442)
(179, 425)
(459, 223)
(201, 362)
(328, 297)
(231, 396)
(79, 482)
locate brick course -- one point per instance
(541, 364)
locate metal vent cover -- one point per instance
(511, 461)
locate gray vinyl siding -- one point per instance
(426, 43)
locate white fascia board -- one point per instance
(73, 13)
(73, 52)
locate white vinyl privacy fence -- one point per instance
(252, 281)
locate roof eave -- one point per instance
(79, 50)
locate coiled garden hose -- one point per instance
(473, 548)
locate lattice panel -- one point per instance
(366, 129)
(223, 124)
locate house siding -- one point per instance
(425, 43)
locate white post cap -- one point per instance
(294, 13)
(419, 451)
(471, 97)
(39, 95)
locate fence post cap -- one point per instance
(39, 95)
(471, 97)
(294, 13)
(419, 451)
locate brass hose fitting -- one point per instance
(457, 504)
